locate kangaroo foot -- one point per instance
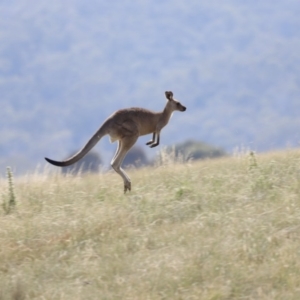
(127, 186)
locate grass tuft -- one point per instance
(9, 205)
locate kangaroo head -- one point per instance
(173, 103)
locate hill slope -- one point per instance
(222, 229)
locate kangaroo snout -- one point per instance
(183, 108)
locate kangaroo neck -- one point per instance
(166, 115)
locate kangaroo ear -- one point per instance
(169, 95)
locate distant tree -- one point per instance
(89, 163)
(195, 150)
(136, 157)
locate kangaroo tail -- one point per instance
(89, 145)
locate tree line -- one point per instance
(137, 158)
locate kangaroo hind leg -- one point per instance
(123, 147)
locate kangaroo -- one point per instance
(125, 126)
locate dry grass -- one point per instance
(220, 229)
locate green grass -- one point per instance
(216, 229)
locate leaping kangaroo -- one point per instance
(125, 126)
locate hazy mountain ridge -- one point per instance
(65, 66)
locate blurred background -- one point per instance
(67, 65)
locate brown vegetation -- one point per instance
(219, 229)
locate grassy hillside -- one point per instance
(220, 229)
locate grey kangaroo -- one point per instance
(125, 126)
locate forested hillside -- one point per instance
(66, 65)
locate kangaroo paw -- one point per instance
(154, 145)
